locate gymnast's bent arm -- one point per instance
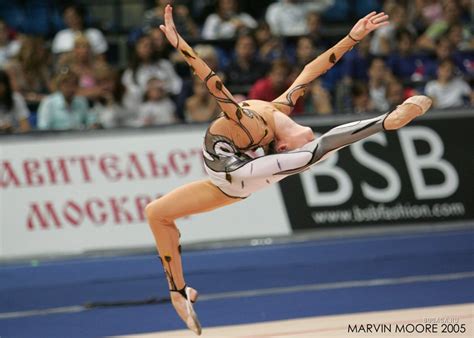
(214, 84)
(286, 101)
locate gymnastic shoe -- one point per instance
(182, 301)
(410, 108)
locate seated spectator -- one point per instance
(404, 63)
(461, 38)
(226, 22)
(395, 94)
(305, 53)
(448, 90)
(160, 45)
(360, 98)
(144, 65)
(355, 64)
(288, 17)
(319, 100)
(451, 16)
(201, 106)
(64, 110)
(30, 72)
(108, 106)
(379, 77)
(210, 56)
(13, 111)
(422, 13)
(183, 20)
(269, 47)
(157, 107)
(8, 47)
(384, 38)
(84, 63)
(354, 69)
(314, 29)
(74, 18)
(245, 68)
(444, 51)
(275, 83)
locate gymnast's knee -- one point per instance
(156, 212)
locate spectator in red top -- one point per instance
(271, 86)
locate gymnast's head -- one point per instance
(289, 135)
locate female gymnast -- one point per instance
(253, 144)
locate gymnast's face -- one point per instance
(290, 135)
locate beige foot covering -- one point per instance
(412, 107)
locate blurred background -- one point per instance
(99, 115)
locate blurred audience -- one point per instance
(245, 68)
(269, 46)
(395, 95)
(449, 90)
(319, 100)
(288, 17)
(360, 98)
(14, 113)
(403, 61)
(314, 30)
(74, 18)
(144, 65)
(63, 109)
(274, 84)
(384, 38)
(201, 106)
(183, 20)
(451, 16)
(227, 21)
(305, 53)
(85, 64)
(30, 70)
(157, 107)
(8, 47)
(426, 40)
(108, 106)
(379, 77)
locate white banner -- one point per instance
(63, 194)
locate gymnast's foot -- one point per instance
(182, 301)
(412, 107)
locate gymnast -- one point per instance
(253, 144)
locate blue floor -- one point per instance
(75, 282)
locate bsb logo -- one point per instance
(420, 173)
(416, 164)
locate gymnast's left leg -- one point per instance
(346, 134)
(187, 200)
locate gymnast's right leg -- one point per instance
(187, 200)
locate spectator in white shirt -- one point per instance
(157, 107)
(144, 65)
(64, 40)
(288, 17)
(448, 90)
(227, 21)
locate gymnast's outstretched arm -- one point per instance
(286, 101)
(214, 84)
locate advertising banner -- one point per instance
(420, 173)
(66, 194)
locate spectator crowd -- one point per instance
(68, 81)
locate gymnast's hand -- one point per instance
(367, 24)
(169, 28)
